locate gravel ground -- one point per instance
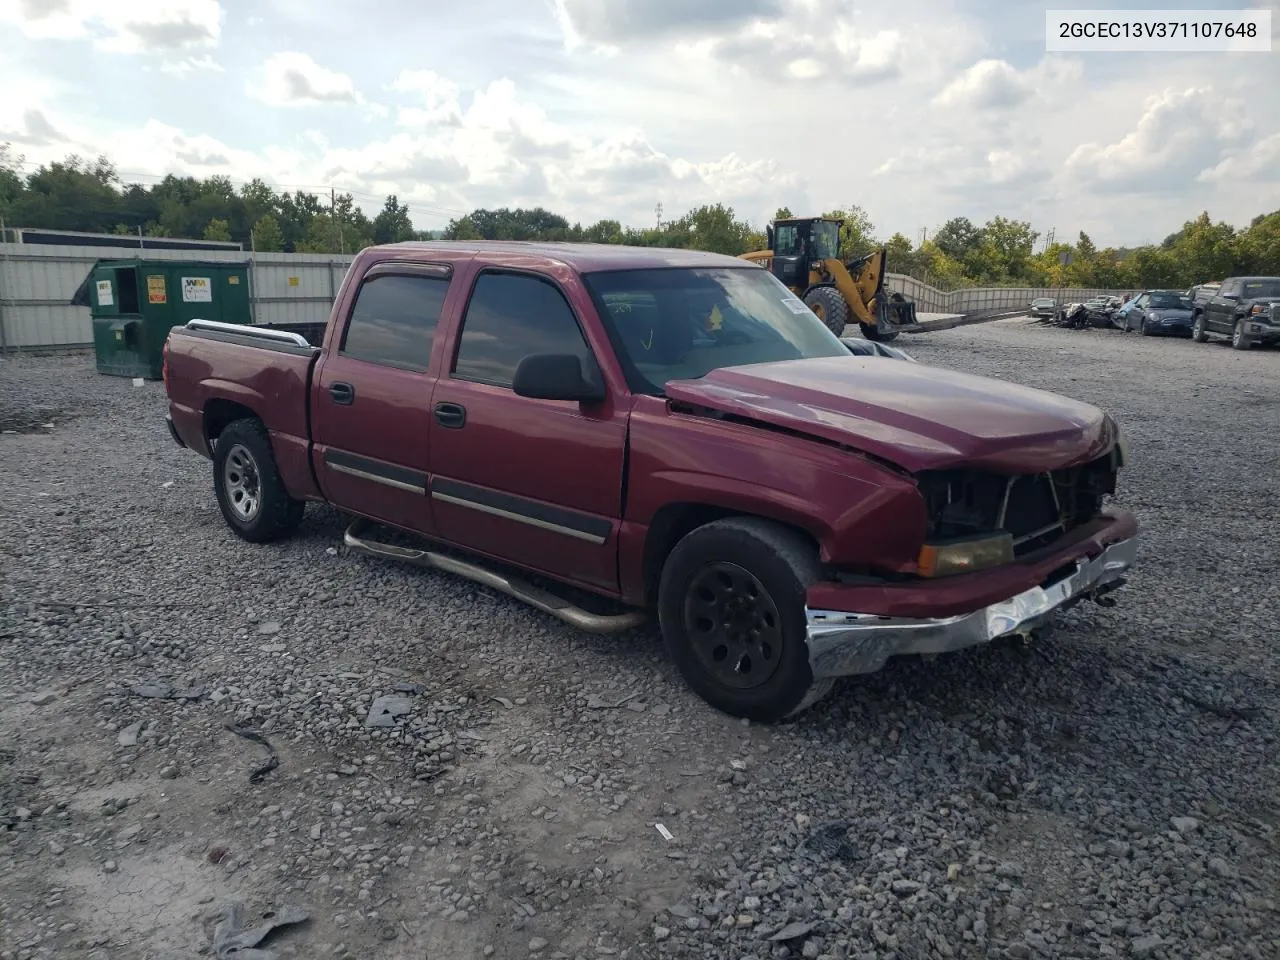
(1112, 791)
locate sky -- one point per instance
(915, 110)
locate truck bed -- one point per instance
(216, 371)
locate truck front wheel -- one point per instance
(732, 612)
(247, 482)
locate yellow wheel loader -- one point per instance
(804, 253)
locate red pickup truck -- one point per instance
(608, 432)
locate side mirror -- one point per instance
(1230, 296)
(554, 376)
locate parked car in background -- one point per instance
(1100, 310)
(1157, 312)
(1245, 308)
(1043, 307)
(1122, 311)
(1203, 292)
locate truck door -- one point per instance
(1221, 309)
(534, 482)
(371, 399)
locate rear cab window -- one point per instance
(1261, 288)
(395, 316)
(511, 316)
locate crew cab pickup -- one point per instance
(1247, 309)
(611, 433)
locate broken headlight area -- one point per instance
(1033, 510)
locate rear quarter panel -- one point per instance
(272, 384)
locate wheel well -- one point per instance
(219, 414)
(675, 521)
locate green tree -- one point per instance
(463, 228)
(217, 230)
(393, 224)
(715, 228)
(74, 194)
(11, 185)
(783, 213)
(1152, 267)
(1004, 252)
(267, 237)
(603, 231)
(1210, 250)
(1260, 246)
(957, 238)
(857, 233)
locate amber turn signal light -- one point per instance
(950, 557)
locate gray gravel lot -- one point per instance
(1112, 791)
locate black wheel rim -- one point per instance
(733, 626)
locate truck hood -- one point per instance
(912, 415)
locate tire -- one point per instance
(246, 480)
(761, 569)
(1144, 329)
(830, 308)
(1239, 339)
(1198, 333)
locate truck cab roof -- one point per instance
(582, 257)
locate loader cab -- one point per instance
(798, 243)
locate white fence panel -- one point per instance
(37, 283)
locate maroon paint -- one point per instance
(949, 596)
(862, 512)
(920, 417)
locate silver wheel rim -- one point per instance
(240, 480)
(1238, 334)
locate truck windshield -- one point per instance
(681, 323)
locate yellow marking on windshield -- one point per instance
(716, 320)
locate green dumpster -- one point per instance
(135, 302)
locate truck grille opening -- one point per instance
(1035, 509)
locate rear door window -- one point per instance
(394, 320)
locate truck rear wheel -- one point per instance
(829, 307)
(732, 612)
(246, 480)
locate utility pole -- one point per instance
(658, 213)
(333, 213)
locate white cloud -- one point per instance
(437, 98)
(996, 84)
(121, 26)
(180, 68)
(1259, 162)
(290, 78)
(617, 22)
(1180, 134)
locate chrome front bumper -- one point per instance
(842, 643)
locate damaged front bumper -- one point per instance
(842, 643)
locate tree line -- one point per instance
(76, 194)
